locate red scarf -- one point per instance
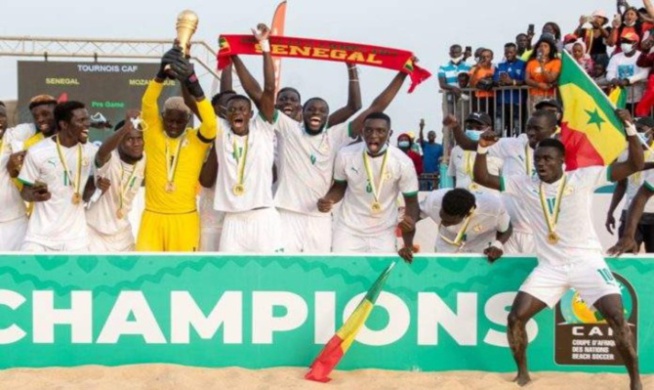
(382, 57)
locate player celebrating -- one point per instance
(468, 223)
(175, 153)
(120, 159)
(54, 176)
(559, 205)
(369, 176)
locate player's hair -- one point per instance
(63, 112)
(40, 100)
(552, 143)
(549, 116)
(455, 46)
(289, 89)
(306, 104)
(216, 98)
(458, 202)
(239, 97)
(176, 103)
(379, 115)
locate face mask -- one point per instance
(404, 144)
(458, 59)
(626, 47)
(473, 134)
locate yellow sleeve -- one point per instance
(149, 105)
(209, 128)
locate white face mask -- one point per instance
(644, 138)
(626, 47)
(458, 59)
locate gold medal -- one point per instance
(552, 238)
(473, 186)
(376, 207)
(120, 214)
(238, 189)
(170, 187)
(77, 198)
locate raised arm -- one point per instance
(267, 103)
(635, 160)
(248, 82)
(149, 106)
(110, 144)
(353, 99)
(480, 171)
(380, 103)
(461, 139)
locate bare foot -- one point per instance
(522, 379)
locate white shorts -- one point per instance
(255, 231)
(592, 280)
(210, 238)
(12, 234)
(520, 243)
(346, 241)
(107, 243)
(306, 233)
(73, 246)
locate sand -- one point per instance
(169, 377)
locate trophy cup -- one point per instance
(187, 23)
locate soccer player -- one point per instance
(369, 177)
(120, 159)
(468, 223)
(517, 159)
(559, 206)
(54, 175)
(175, 155)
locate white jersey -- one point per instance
(517, 159)
(17, 135)
(12, 205)
(578, 240)
(635, 181)
(102, 215)
(257, 174)
(57, 220)
(488, 218)
(461, 167)
(306, 164)
(399, 177)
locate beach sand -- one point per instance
(169, 377)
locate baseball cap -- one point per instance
(480, 117)
(549, 103)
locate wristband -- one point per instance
(265, 46)
(630, 129)
(497, 244)
(482, 149)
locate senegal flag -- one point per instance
(338, 345)
(590, 130)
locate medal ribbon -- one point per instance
(458, 239)
(172, 161)
(76, 183)
(553, 218)
(127, 186)
(469, 164)
(241, 158)
(527, 160)
(376, 189)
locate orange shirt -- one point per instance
(535, 72)
(477, 73)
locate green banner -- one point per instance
(440, 313)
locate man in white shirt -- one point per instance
(54, 176)
(622, 70)
(369, 177)
(468, 223)
(559, 206)
(120, 159)
(517, 159)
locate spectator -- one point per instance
(646, 60)
(432, 152)
(578, 52)
(623, 25)
(553, 30)
(481, 78)
(415, 146)
(623, 70)
(594, 32)
(543, 71)
(523, 43)
(599, 76)
(554, 107)
(510, 73)
(447, 77)
(462, 103)
(404, 142)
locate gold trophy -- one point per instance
(187, 23)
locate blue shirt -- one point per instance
(450, 71)
(431, 153)
(515, 70)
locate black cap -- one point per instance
(480, 117)
(549, 103)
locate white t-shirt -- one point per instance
(101, 215)
(355, 212)
(257, 178)
(17, 135)
(577, 238)
(517, 158)
(306, 164)
(635, 181)
(12, 205)
(488, 218)
(58, 219)
(461, 167)
(622, 67)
